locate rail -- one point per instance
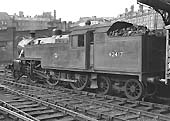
(23, 104)
(101, 107)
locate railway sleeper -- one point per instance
(94, 109)
(57, 113)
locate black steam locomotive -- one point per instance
(109, 58)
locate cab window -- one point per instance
(78, 40)
(81, 40)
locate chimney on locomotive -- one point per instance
(88, 23)
(32, 34)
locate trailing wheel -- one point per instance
(82, 81)
(104, 85)
(133, 89)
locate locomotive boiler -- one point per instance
(101, 57)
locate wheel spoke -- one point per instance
(78, 84)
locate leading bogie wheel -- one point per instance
(133, 89)
(81, 83)
(32, 78)
(17, 75)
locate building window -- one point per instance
(151, 17)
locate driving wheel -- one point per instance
(51, 81)
(104, 85)
(81, 83)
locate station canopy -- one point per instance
(161, 6)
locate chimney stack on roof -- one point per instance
(54, 14)
(132, 8)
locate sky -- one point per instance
(68, 10)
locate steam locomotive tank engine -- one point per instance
(92, 58)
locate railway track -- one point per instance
(9, 115)
(15, 105)
(108, 108)
(29, 108)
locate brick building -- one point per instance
(147, 17)
(5, 20)
(39, 22)
(93, 20)
(29, 23)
